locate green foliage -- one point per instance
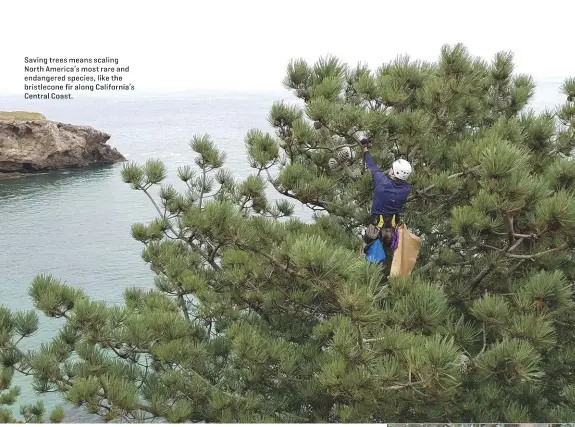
(260, 317)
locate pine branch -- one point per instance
(368, 340)
(202, 189)
(359, 336)
(529, 256)
(272, 260)
(511, 233)
(183, 306)
(321, 204)
(516, 244)
(412, 153)
(178, 235)
(334, 149)
(512, 244)
(482, 274)
(156, 206)
(492, 247)
(515, 267)
(484, 341)
(525, 236)
(232, 395)
(70, 383)
(540, 254)
(214, 252)
(425, 268)
(432, 186)
(402, 386)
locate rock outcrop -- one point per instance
(30, 144)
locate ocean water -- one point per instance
(76, 225)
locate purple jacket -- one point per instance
(389, 195)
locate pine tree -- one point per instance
(257, 316)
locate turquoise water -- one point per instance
(76, 225)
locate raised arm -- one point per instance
(377, 174)
(370, 163)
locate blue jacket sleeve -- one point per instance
(375, 171)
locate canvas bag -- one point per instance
(405, 255)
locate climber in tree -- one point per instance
(389, 196)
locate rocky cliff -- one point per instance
(29, 143)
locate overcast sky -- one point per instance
(246, 45)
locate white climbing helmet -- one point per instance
(401, 169)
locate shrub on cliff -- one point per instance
(260, 317)
(21, 115)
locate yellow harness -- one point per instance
(380, 221)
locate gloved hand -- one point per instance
(366, 143)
